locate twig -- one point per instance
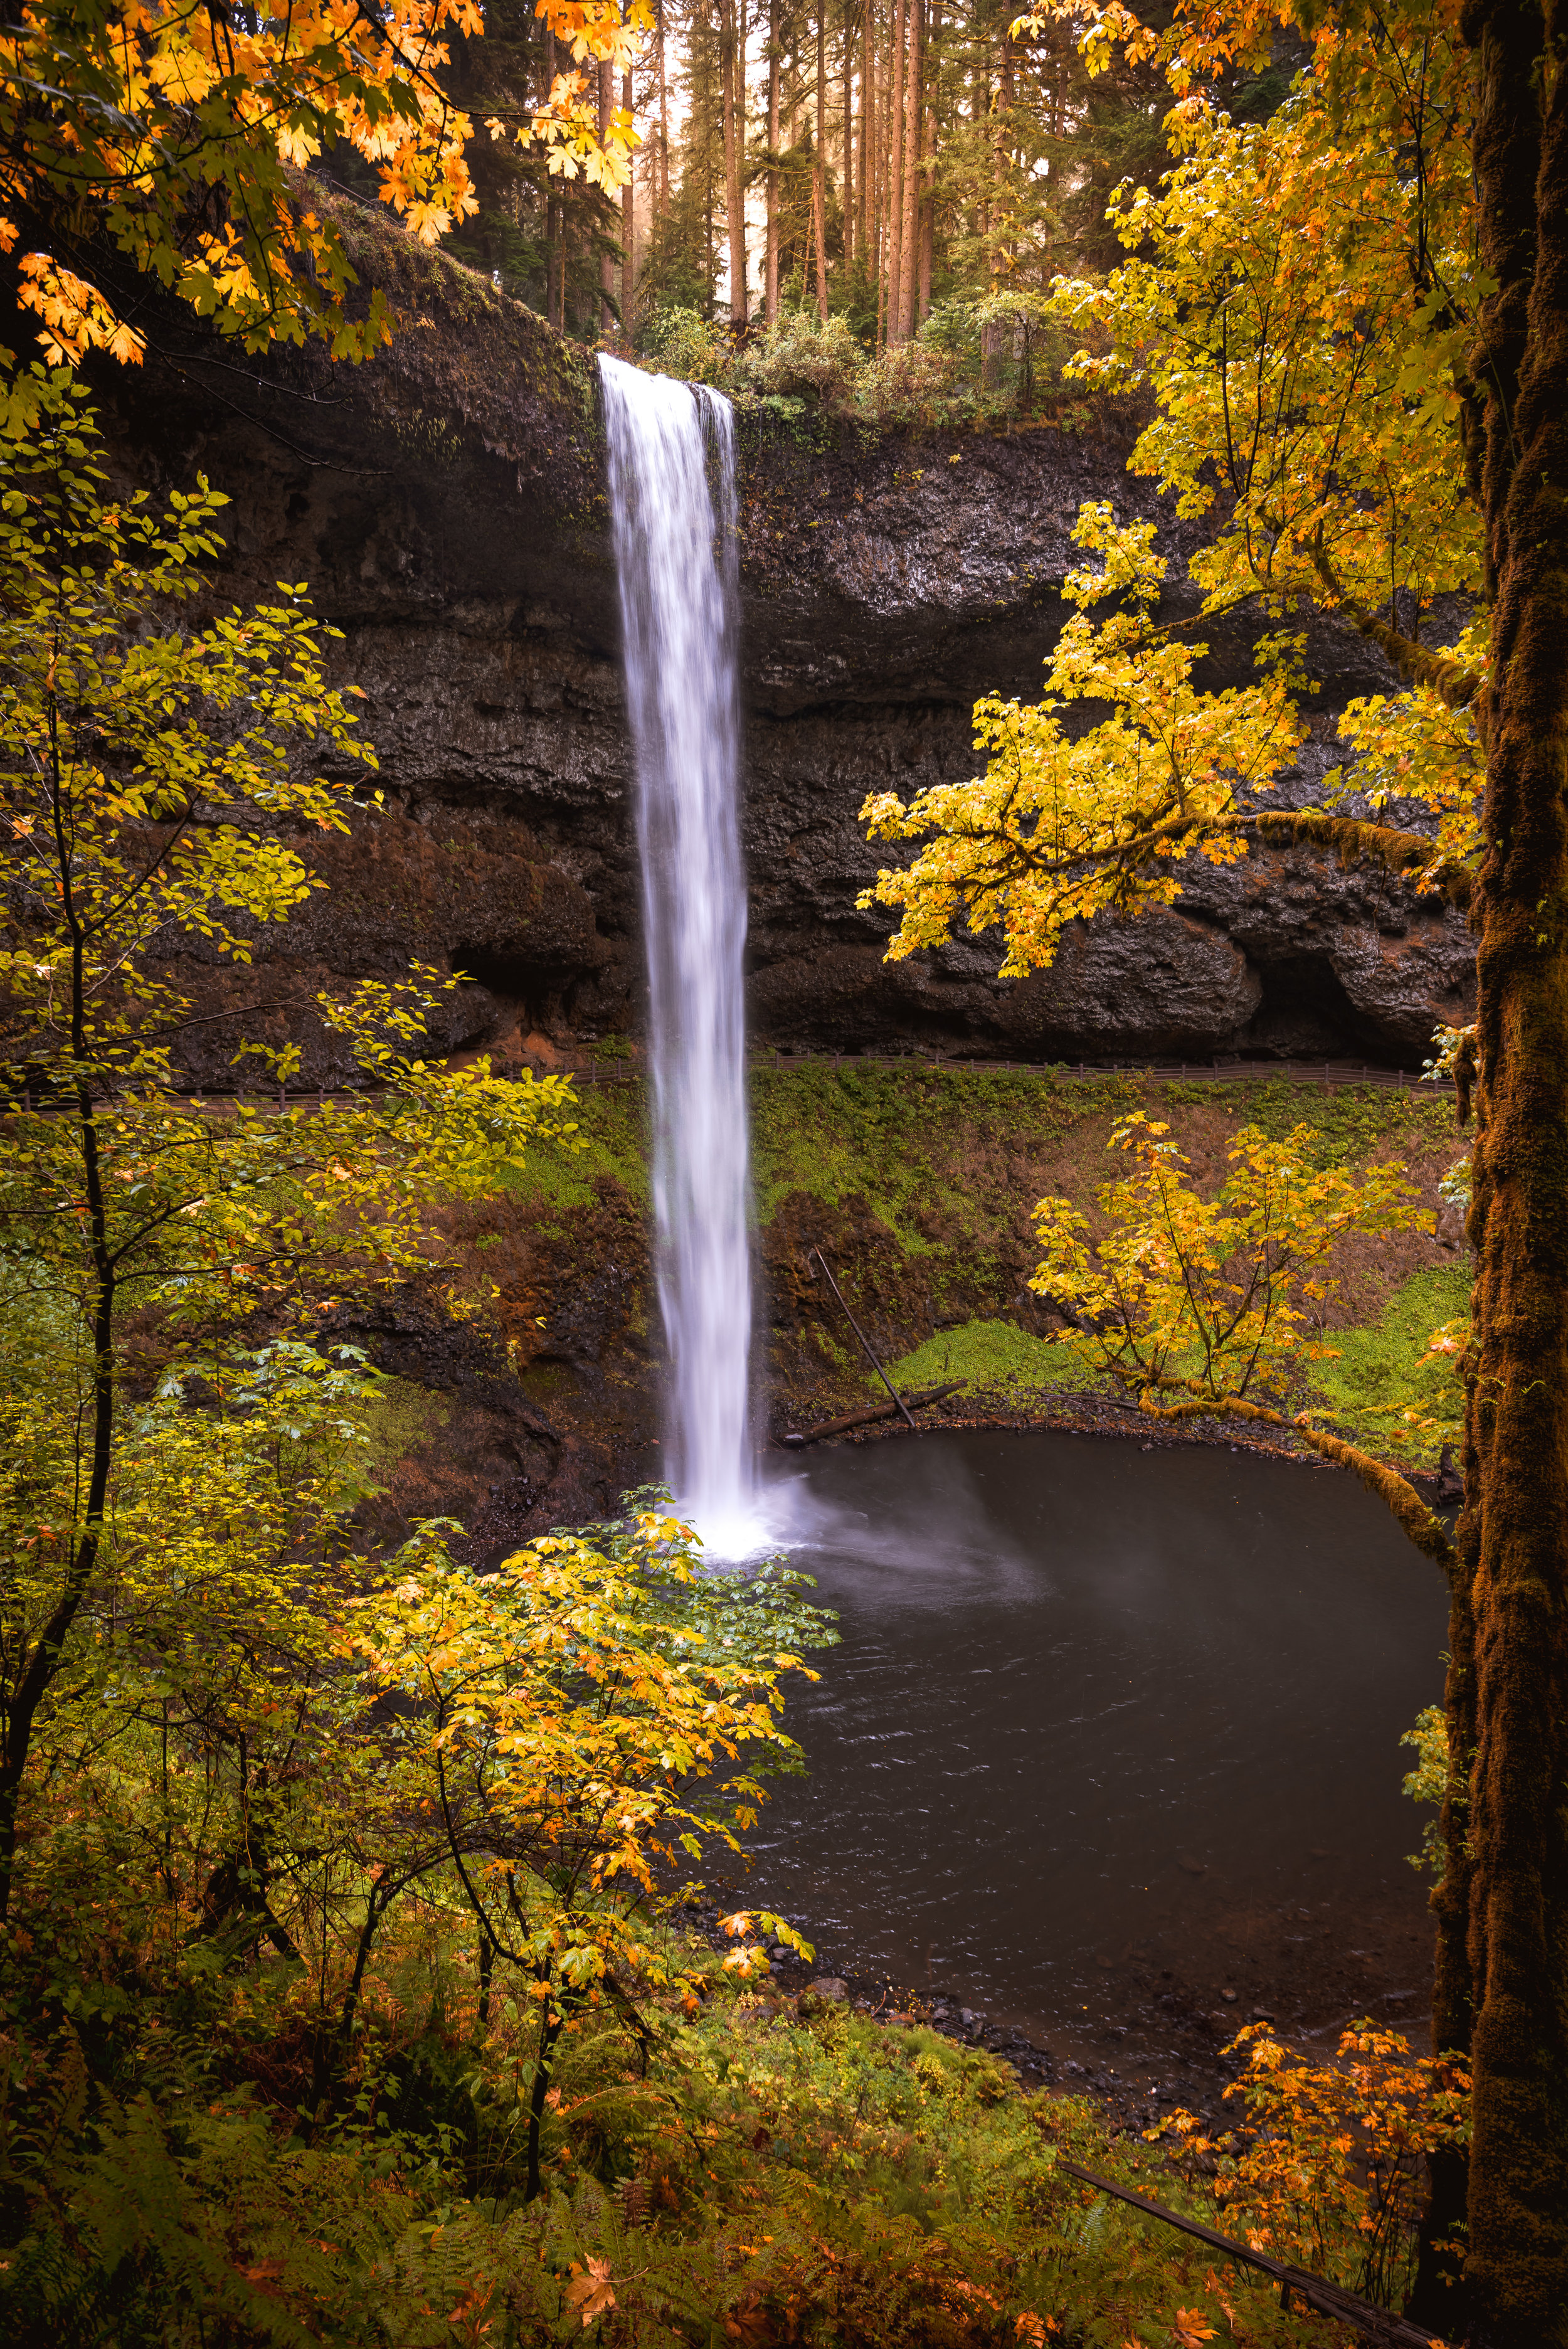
(865, 1343)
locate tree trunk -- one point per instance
(550, 2020)
(1503, 1987)
(628, 229)
(980, 110)
(732, 34)
(100, 1292)
(1002, 251)
(929, 140)
(881, 181)
(770, 280)
(893, 271)
(847, 178)
(553, 306)
(819, 164)
(910, 237)
(866, 240)
(606, 260)
(662, 199)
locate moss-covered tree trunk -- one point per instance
(1502, 1983)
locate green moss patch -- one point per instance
(918, 1184)
(611, 1139)
(994, 1356)
(402, 1416)
(1377, 1374)
(917, 1144)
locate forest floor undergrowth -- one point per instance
(777, 2171)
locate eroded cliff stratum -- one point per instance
(447, 504)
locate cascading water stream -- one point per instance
(679, 618)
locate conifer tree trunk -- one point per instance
(770, 262)
(909, 241)
(930, 137)
(628, 226)
(607, 262)
(729, 74)
(700, 17)
(892, 270)
(1004, 142)
(1502, 1910)
(819, 164)
(847, 189)
(663, 195)
(991, 364)
(979, 112)
(867, 137)
(554, 275)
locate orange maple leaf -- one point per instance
(1190, 2331)
(592, 2294)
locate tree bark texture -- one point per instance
(894, 269)
(866, 239)
(819, 164)
(554, 274)
(628, 227)
(606, 259)
(770, 262)
(732, 82)
(663, 195)
(847, 188)
(1507, 1890)
(908, 243)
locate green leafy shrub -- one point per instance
(912, 383)
(802, 354)
(682, 343)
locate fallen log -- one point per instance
(864, 1418)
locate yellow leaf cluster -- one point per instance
(1065, 824)
(1220, 1297)
(1299, 302)
(581, 1732)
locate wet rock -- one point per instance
(447, 503)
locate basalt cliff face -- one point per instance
(447, 504)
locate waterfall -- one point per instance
(674, 549)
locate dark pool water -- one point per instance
(1110, 1726)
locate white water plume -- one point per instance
(675, 548)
